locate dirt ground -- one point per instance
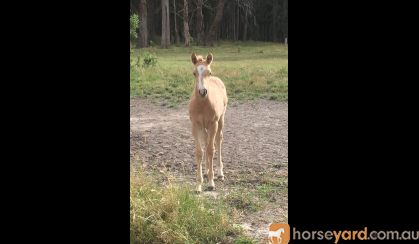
(255, 145)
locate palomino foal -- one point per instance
(206, 110)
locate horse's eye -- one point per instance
(194, 73)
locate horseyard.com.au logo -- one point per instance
(278, 233)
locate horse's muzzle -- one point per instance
(203, 92)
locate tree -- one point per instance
(274, 20)
(215, 24)
(165, 24)
(238, 23)
(175, 22)
(199, 23)
(259, 20)
(284, 20)
(143, 40)
(154, 19)
(246, 7)
(185, 23)
(246, 12)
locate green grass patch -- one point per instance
(249, 70)
(174, 214)
(243, 200)
(253, 194)
(244, 240)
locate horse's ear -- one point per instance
(194, 59)
(209, 58)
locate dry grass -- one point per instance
(174, 214)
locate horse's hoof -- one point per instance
(197, 192)
(210, 188)
(220, 177)
(198, 189)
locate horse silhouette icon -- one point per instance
(279, 233)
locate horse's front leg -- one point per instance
(199, 153)
(212, 130)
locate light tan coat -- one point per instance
(207, 108)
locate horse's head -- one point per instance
(201, 71)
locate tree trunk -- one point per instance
(284, 25)
(151, 22)
(238, 23)
(174, 17)
(215, 24)
(165, 24)
(274, 21)
(246, 11)
(234, 22)
(199, 22)
(185, 23)
(143, 38)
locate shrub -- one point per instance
(149, 60)
(134, 21)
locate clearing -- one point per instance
(255, 155)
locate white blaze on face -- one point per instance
(201, 69)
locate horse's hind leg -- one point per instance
(219, 141)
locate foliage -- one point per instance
(149, 60)
(134, 22)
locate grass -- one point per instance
(252, 195)
(250, 70)
(173, 214)
(162, 212)
(242, 199)
(244, 240)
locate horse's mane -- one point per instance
(200, 59)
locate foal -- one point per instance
(207, 107)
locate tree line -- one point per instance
(204, 22)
